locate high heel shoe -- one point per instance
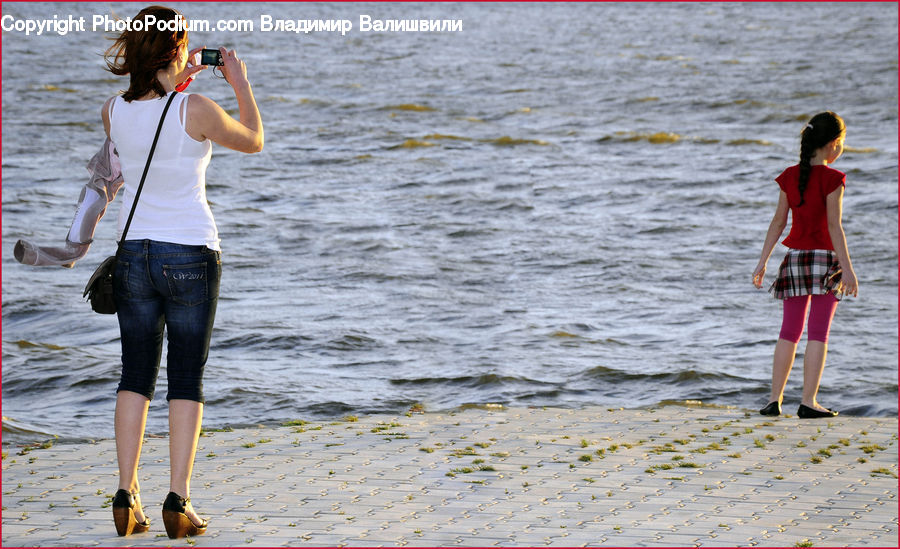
(178, 525)
(772, 409)
(805, 412)
(123, 515)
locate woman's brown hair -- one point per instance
(140, 53)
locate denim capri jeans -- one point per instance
(164, 287)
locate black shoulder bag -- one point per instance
(99, 289)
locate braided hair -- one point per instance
(141, 53)
(821, 130)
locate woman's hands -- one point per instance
(234, 69)
(207, 120)
(190, 69)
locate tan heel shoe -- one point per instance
(123, 515)
(178, 525)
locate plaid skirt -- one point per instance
(807, 272)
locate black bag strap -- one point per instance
(137, 195)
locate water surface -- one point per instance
(561, 205)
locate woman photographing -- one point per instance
(168, 270)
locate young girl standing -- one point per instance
(816, 271)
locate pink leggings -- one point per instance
(820, 315)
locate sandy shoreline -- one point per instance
(664, 476)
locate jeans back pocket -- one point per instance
(188, 284)
(120, 279)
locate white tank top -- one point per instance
(173, 206)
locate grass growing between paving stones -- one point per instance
(467, 451)
(466, 470)
(36, 446)
(302, 429)
(883, 471)
(871, 448)
(667, 447)
(381, 427)
(107, 501)
(204, 431)
(714, 446)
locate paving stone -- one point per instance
(279, 493)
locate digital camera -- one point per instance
(211, 57)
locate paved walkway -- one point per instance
(668, 476)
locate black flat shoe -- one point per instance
(805, 412)
(123, 515)
(178, 525)
(771, 409)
